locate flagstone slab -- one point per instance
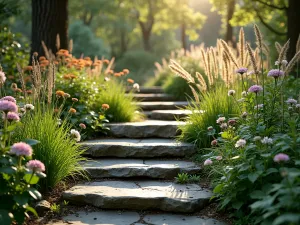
(163, 169)
(147, 106)
(169, 114)
(147, 90)
(140, 195)
(175, 219)
(150, 97)
(138, 148)
(99, 218)
(145, 129)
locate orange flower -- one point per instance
(69, 65)
(72, 76)
(72, 110)
(56, 110)
(28, 68)
(42, 58)
(29, 92)
(117, 74)
(105, 106)
(18, 90)
(68, 60)
(121, 73)
(87, 58)
(67, 77)
(130, 81)
(106, 61)
(126, 71)
(110, 72)
(60, 93)
(56, 62)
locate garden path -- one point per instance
(133, 172)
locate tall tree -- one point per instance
(49, 18)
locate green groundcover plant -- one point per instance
(254, 160)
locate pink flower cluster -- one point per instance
(21, 149)
(281, 157)
(8, 106)
(255, 89)
(36, 166)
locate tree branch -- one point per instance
(267, 25)
(271, 5)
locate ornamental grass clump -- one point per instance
(254, 160)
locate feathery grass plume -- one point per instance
(266, 49)
(175, 67)
(278, 47)
(252, 58)
(201, 80)
(284, 49)
(50, 82)
(71, 46)
(257, 56)
(215, 64)
(229, 53)
(57, 43)
(46, 50)
(209, 74)
(225, 71)
(292, 63)
(22, 80)
(204, 60)
(242, 46)
(195, 94)
(258, 36)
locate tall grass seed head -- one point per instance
(21, 149)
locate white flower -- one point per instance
(240, 143)
(221, 119)
(259, 106)
(298, 106)
(231, 92)
(28, 107)
(244, 93)
(267, 141)
(219, 158)
(284, 62)
(2, 78)
(257, 138)
(223, 125)
(58, 122)
(136, 86)
(276, 63)
(75, 134)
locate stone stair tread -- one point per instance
(138, 148)
(148, 90)
(163, 169)
(140, 195)
(116, 217)
(169, 114)
(153, 97)
(161, 105)
(145, 129)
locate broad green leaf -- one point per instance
(31, 179)
(257, 194)
(31, 141)
(218, 188)
(271, 170)
(8, 170)
(287, 218)
(253, 176)
(5, 217)
(237, 205)
(30, 209)
(21, 199)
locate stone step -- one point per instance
(145, 129)
(157, 169)
(153, 97)
(138, 148)
(116, 217)
(147, 90)
(168, 114)
(140, 195)
(148, 106)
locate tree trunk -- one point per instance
(49, 18)
(293, 18)
(183, 37)
(146, 34)
(229, 28)
(123, 41)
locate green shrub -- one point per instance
(56, 148)
(212, 104)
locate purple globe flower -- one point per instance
(207, 162)
(9, 98)
(8, 106)
(35, 165)
(275, 73)
(281, 157)
(241, 70)
(11, 116)
(21, 149)
(255, 89)
(291, 101)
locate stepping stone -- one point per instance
(145, 129)
(148, 90)
(138, 148)
(140, 195)
(99, 218)
(148, 106)
(169, 114)
(175, 219)
(153, 97)
(163, 169)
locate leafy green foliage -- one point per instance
(182, 178)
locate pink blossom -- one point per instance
(8, 106)
(219, 158)
(242, 70)
(214, 142)
(9, 98)
(11, 116)
(255, 89)
(21, 149)
(281, 157)
(35, 165)
(82, 126)
(207, 162)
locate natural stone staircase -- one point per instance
(140, 162)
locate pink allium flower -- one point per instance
(8, 106)
(21, 149)
(207, 162)
(82, 126)
(275, 73)
(2, 77)
(219, 158)
(35, 165)
(214, 143)
(242, 70)
(223, 126)
(291, 101)
(9, 98)
(11, 116)
(255, 89)
(221, 119)
(281, 157)
(232, 122)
